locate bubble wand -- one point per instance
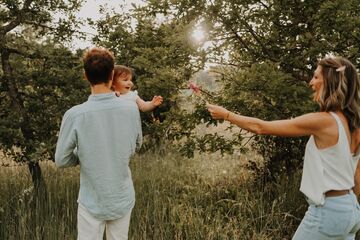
(197, 91)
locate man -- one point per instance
(101, 135)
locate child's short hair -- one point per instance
(122, 71)
(98, 65)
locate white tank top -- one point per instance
(331, 168)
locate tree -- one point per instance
(272, 48)
(278, 44)
(34, 64)
(162, 56)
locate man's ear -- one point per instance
(111, 75)
(85, 77)
(111, 78)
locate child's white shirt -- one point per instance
(131, 95)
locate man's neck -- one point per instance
(100, 88)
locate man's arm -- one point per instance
(66, 151)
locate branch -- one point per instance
(237, 36)
(13, 24)
(257, 39)
(12, 50)
(8, 73)
(9, 51)
(263, 4)
(248, 141)
(242, 65)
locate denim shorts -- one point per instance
(337, 219)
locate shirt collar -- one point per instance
(102, 96)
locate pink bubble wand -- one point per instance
(197, 91)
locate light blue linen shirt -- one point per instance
(101, 135)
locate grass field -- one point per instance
(208, 197)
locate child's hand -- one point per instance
(157, 100)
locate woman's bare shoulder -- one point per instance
(318, 119)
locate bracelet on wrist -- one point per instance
(227, 116)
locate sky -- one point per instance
(90, 9)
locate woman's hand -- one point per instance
(217, 112)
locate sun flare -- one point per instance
(198, 34)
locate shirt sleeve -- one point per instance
(134, 95)
(66, 151)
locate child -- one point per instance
(122, 85)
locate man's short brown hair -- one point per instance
(98, 65)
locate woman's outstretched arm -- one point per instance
(309, 124)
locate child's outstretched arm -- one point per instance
(146, 106)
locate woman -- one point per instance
(331, 154)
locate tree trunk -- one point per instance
(40, 187)
(17, 105)
(39, 203)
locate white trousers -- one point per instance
(90, 228)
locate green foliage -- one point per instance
(46, 87)
(40, 15)
(267, 51)
(277, 44)
(292, 33)
(264, 91)
(161, 55)
(37, 75)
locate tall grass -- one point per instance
(24, 215)
(209, 197)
